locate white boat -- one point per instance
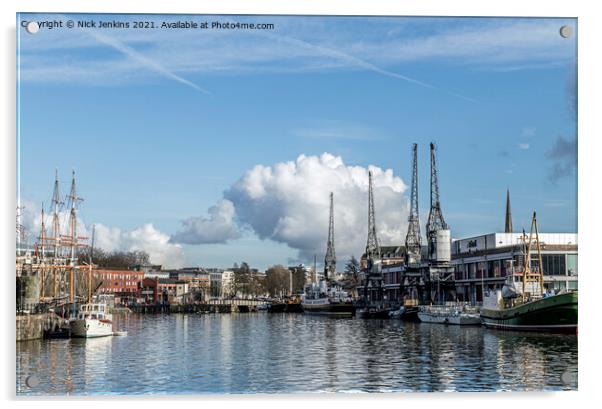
(93, 320)
(455, 315)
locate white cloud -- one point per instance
(146, 238)
(288, 202)
(218, 227)
(523, 146)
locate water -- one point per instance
(294, 353)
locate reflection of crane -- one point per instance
(330, 260)
(413, 239)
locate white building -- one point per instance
(484, 261)
(227, 283)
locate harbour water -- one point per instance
(294, 353)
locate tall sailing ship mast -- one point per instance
(62, 261)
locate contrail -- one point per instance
(147, 62)
(330, 52)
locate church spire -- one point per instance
(508, 228)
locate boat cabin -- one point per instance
(92, 311)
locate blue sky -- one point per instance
(123, 108)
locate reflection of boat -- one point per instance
(322, 299)
(92, 320)
(522, 304)
(449, 314)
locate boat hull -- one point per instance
(373, 313)
(90, 328)
(557, 313)
(410, 314)
(332, 309)
(449, 316)
(276, 307)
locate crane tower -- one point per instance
(330, 260)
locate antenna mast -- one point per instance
(413, 239)
(330, 260)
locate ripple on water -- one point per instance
(289, 353)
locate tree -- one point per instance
(277, 280)
(352, 275)
(242, 279)
(116, 259)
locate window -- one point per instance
(553, 264)
(571, 264)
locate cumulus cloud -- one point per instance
(218, 227)
(288, 202)
(146, 238)
(563, 156)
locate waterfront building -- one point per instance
(162, 291)
(227, 287)
(390, 255)
(151, 270)
(122, 284)
(484, 261)
(215, 282)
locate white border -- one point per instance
(590, 34)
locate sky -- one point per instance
(215, 146)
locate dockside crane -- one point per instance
(373, 274)
(413, 239)
(411, 283)
(440, 277)
(330, 260)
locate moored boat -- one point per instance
(556, 313)
(325, 299)
(449, 314)
(407, 312)
(374, 312)
(92, 320)
(522, 304)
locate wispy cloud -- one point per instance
(144, 61)
(563, 158)
(384, 46)
(528, 131)
(523, 146)
(338, 130)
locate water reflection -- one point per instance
(270, 353)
